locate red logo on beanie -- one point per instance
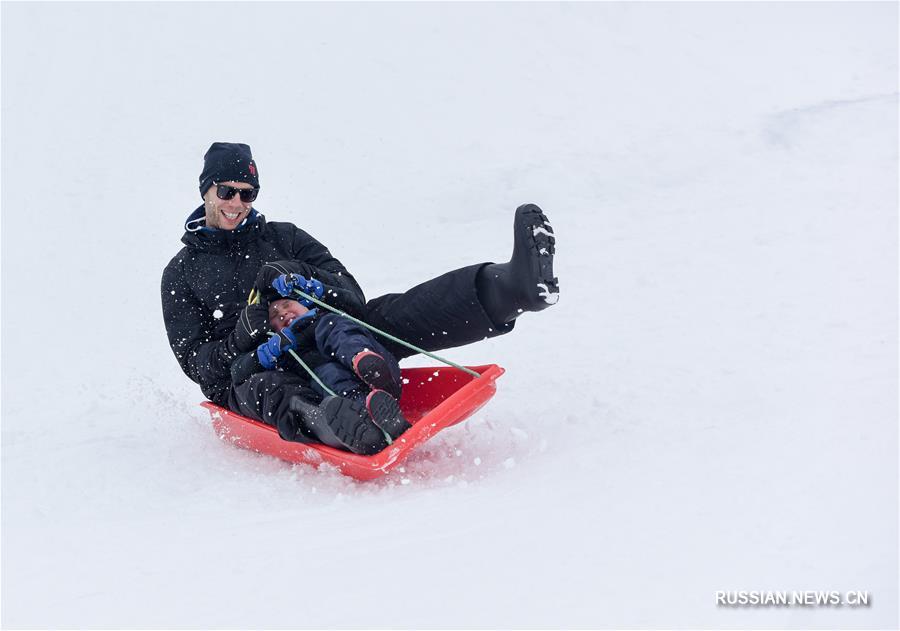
(252, 169)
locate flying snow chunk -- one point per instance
(217, 314)
(519, 433)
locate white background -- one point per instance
(712, 405)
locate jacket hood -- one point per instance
(197, 235)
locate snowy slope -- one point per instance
(712, 405)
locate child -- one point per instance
(343, 355)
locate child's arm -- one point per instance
(263, 357)
(298, 334)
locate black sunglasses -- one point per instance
(223, 191)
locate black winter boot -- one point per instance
(526, 282)
(385, 411)
(341, 423)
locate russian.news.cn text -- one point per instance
(807, 598)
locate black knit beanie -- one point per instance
(228, 162)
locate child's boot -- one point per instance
(385, 411)
(373, 369)
(340, 423)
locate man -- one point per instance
(230, 249)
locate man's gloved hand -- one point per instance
(285, 285)
(251, 327)
(285, 340)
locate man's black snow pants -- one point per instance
(443, 312)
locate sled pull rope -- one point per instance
(308, 369)
(387, 335)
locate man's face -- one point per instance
(284, 311)
(226, 214)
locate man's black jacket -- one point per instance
(206, 285)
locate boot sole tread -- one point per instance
(386, 414)
(537, 218)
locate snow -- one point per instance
(551, 298)
(712, 404)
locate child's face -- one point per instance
(284, 311)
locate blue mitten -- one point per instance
(287, 283)
(285, 340)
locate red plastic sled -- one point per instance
(433, 398)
